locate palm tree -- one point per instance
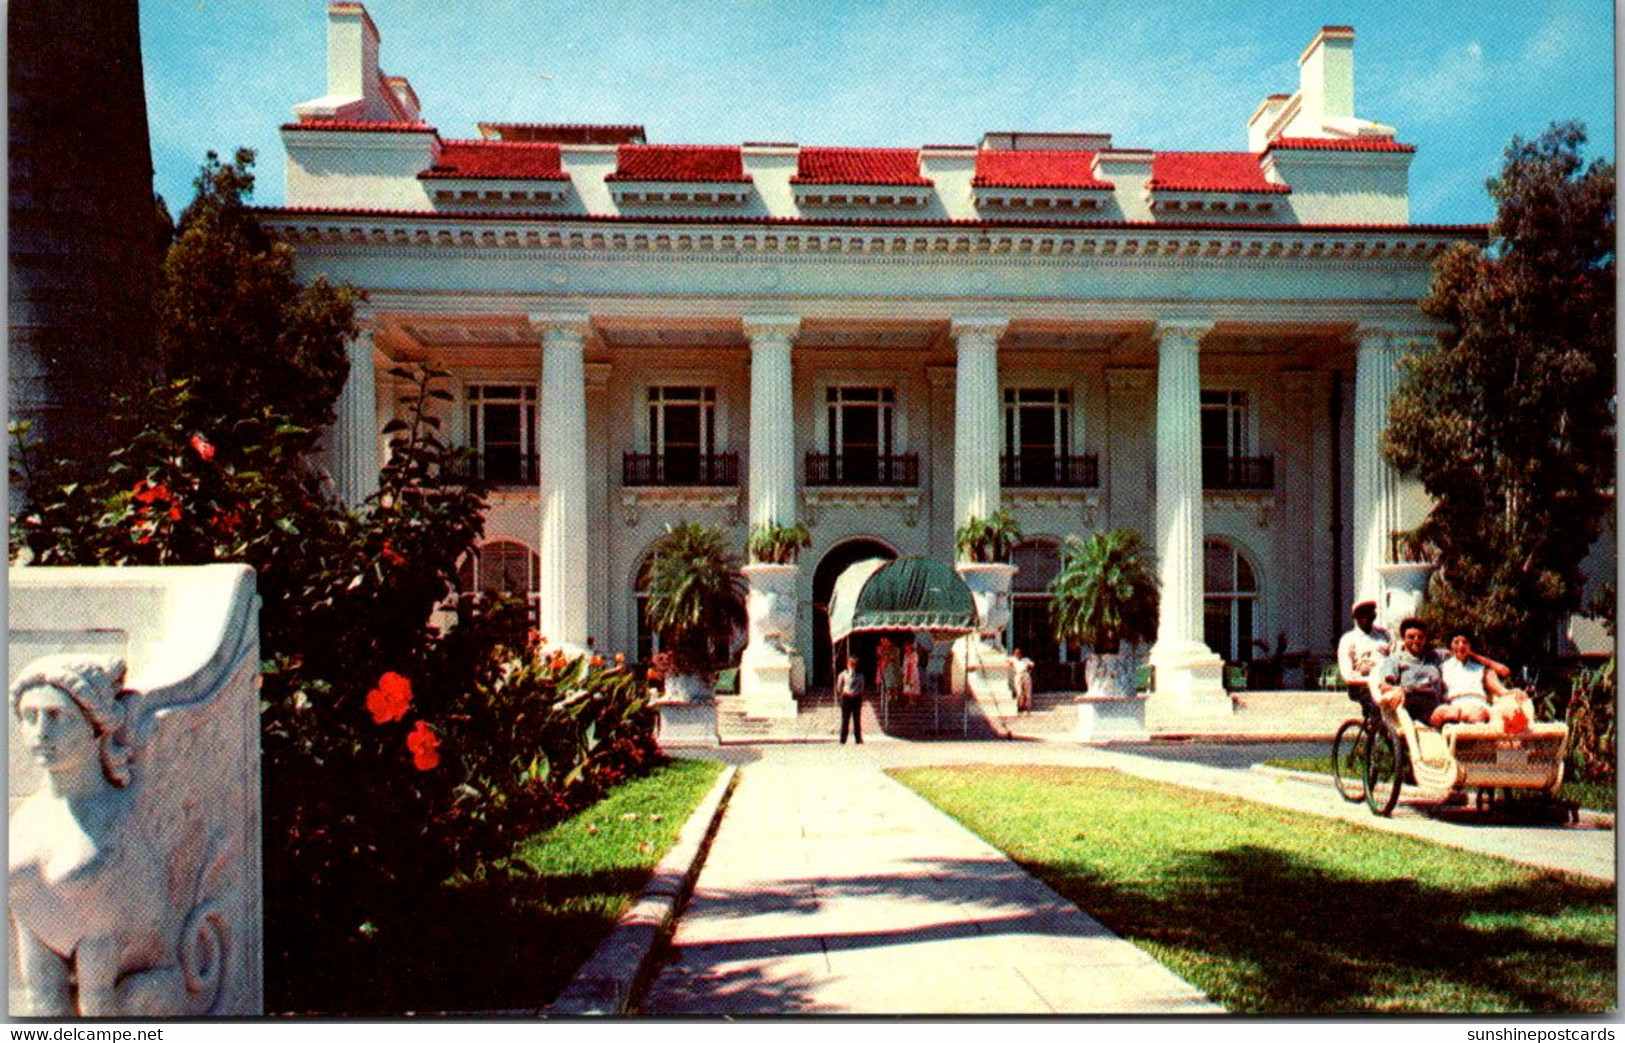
(1106, 592)
(696, 593)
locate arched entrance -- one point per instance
(829, 570)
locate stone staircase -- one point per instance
(940, 716)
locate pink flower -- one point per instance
(204, 450)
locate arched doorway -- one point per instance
(1038, 560)
(829, 570)
(1230, 601)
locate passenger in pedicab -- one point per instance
(1471, 680)
(1414, 674)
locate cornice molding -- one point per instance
(456, 233)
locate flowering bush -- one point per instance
(394, 753)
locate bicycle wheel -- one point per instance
(1384, 771)
(1348, 760)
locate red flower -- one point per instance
(175, 513)
(425, 747)
(203, 448)
(146, 492)
(227, 521)
(391, 555)
(390, 700)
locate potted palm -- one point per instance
(775, 544)
(770, 664)
(696, 602)
(984, 546)
(1105, 595)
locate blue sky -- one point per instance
(1456, 79)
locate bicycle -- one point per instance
(1350, 751)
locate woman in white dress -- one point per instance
(1470, 681)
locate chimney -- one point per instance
(352, 51)
(1326, 74)
(1261, 124)
(411, 108)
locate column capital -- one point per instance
(578, 323)
(762, 327)
(972, 328)
(1181, 334)
(1374, 338)
(1124, 380)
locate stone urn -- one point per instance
(984, 666)
(990, 588)
(686, 688)
(1110, 676)
(770, 668)
(1404, 589)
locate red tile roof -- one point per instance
(531, 161)
(371, 126)
(678, 163)
(1342, 144)
(1209, 172)
(1050, 169)
(858, 166)
(567, 133)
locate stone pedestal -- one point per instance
(135, 843)
(1189, 691)
(768, 668)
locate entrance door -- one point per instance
(829, 570)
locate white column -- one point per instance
(1188, 681)
(1376, 483)
(355, 426)
(561, 449)
(772, 420)
(978, 435)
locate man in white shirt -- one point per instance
(1361, 650)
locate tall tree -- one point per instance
(1509, 420)
(233, 318)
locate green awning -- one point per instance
(911, 593)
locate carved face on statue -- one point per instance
(55, 732)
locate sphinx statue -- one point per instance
(119, 893)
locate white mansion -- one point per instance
(884, 343)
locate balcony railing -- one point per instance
(648, 469)
(1238, 472)
(863, 469)
(497, 466)
(1053, 472)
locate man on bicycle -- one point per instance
(1362, 650)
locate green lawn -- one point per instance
(512, 939)
(1269, 911)
(1598, 796)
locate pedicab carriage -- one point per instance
(1510, 752)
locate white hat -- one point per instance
(1363, 602)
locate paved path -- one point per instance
(829, 888)
(832, 889)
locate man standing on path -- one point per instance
(849, 689)
(1360, 651)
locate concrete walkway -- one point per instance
(831, 889)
